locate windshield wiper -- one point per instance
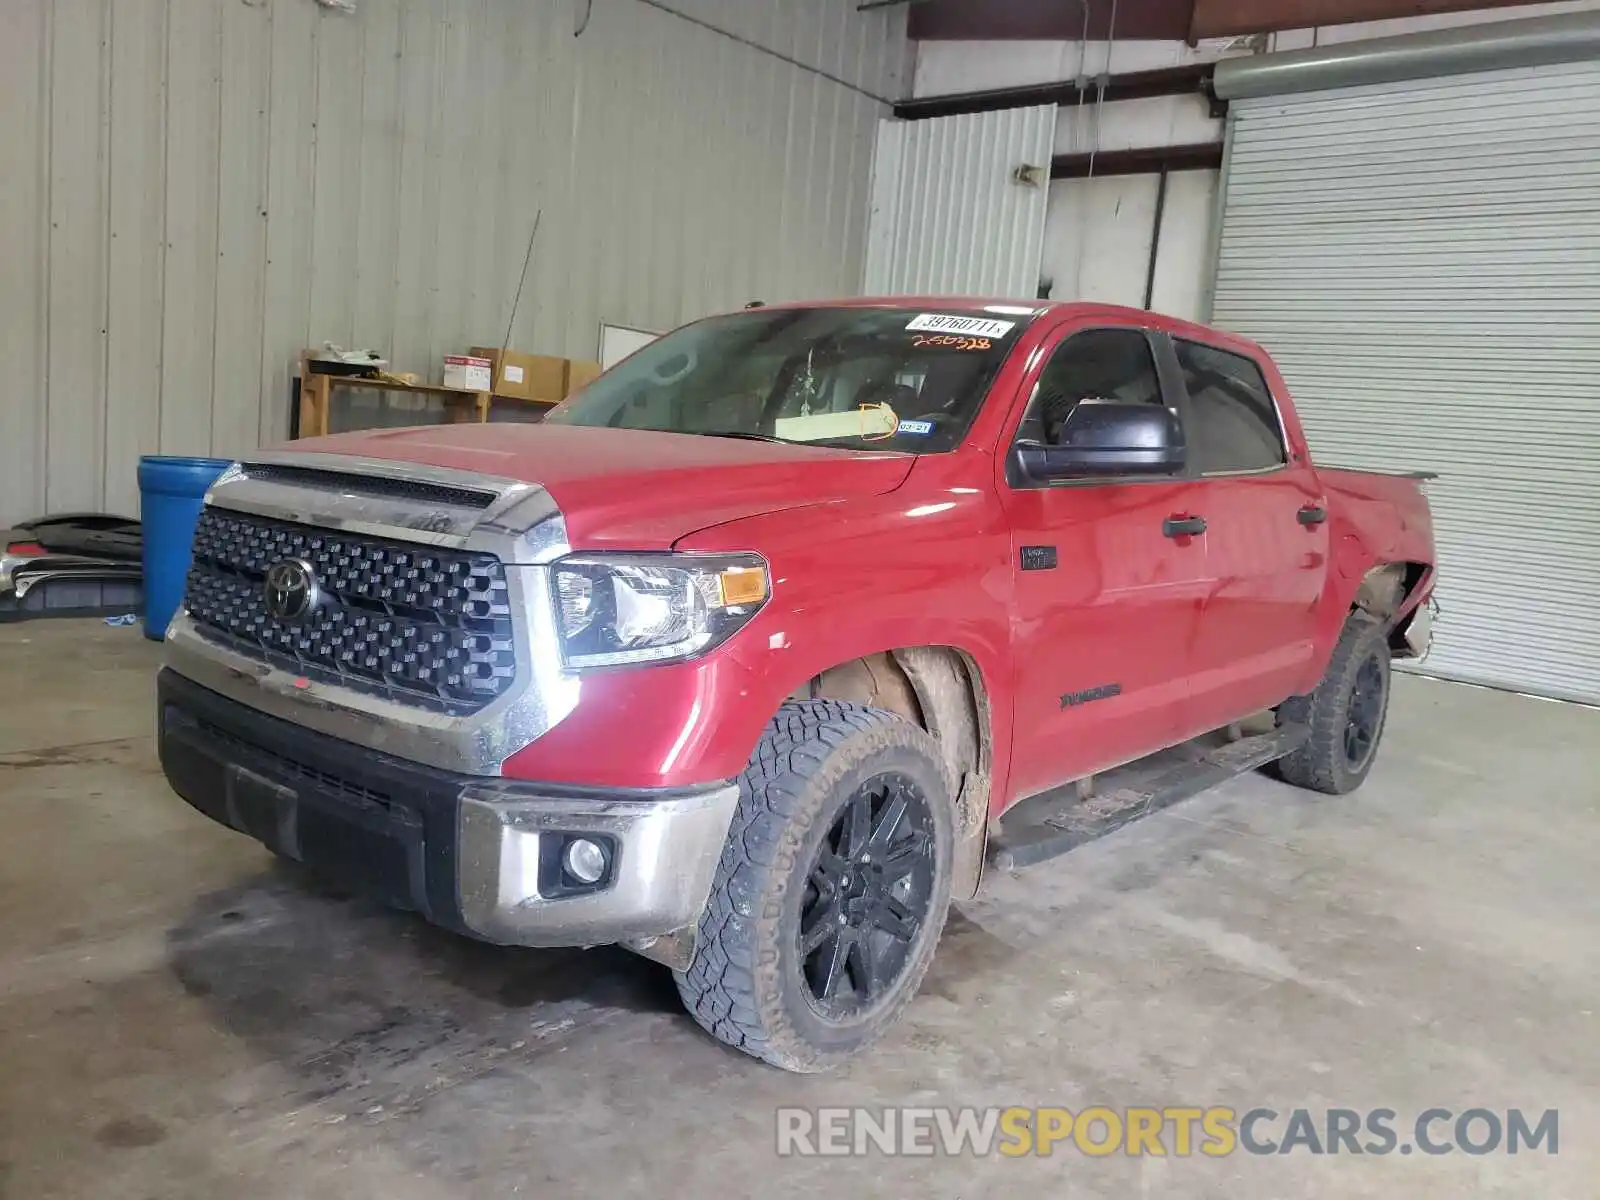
(845, 441)
(842, 442)
(739, 433)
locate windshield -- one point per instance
(862, 378)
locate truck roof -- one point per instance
(1002, 306)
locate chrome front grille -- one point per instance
(415, 623)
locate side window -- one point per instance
(1097, 364)
(1233, 422)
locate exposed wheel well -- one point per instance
(1384, 591)
(941, 689)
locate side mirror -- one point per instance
(1105, 437)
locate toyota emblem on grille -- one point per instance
(292, 593)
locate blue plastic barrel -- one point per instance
(171, 493)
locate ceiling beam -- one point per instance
(1194, 79)
(1052, 20)
(1231, 18)
(1201, 156)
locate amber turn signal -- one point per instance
(743, 585)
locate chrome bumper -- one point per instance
(664, 856)
(478, 854)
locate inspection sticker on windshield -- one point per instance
(921, 428)
(971, 326)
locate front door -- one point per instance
(1108, 591)
(1266, 539)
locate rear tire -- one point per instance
(1345, 714)
(832, 888)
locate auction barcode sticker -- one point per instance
(971, 326)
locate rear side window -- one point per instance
(1233, 422)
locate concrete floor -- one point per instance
(180, 1017)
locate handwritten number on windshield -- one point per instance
(951, 341)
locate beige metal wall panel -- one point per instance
(291, 130)
(378, 179)
(75, 314)
(24, 251)
(947, 215)
(336, 171)
(189, 305)
(192, 191)
(241, 230)
(136, 260)
(421, 41)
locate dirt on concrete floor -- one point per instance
(182, 1017)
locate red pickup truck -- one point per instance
(752, 652)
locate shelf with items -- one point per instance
(443, 405)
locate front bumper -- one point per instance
(475, 854)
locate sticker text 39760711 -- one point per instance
(984, 327)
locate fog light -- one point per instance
(584, 860)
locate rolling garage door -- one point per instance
(1423, 260)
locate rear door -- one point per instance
(1266, 537)
(1107, 604)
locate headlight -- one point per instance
(631, 608)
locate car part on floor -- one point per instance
(71, 565)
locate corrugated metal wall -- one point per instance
(1423, 260)
(193, 190)
(947, 217)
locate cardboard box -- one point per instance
(497, 370)
(581, 372)
(469, 372)
(526, 376)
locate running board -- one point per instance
(1050, 825)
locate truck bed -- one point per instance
(1386, 510)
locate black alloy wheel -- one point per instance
(832, 888)
(1366, 713)
(1344, 716)
(868, 893)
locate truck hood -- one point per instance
(634, 488)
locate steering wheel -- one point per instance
(669, 372)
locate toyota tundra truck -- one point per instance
(755, 651)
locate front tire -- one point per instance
(832, 888)
(1346, 713)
